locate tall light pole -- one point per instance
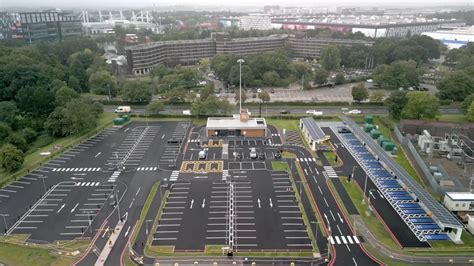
(240, 61)
(5, 221)
(365, 190)
(353, 169)
(315, 232)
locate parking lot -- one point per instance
(249, 210)
(65, 196)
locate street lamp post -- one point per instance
(146, 223)
(240, 61)
(5, 221)
(353, 170)
(315, 232)
(365, 190)
(44, 185)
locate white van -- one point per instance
(123, 110)
(187, 112)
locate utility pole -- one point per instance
(302, 82)
(240, 61)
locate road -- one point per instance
(272, 110)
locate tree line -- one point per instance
(40, 88)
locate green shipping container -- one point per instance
(126, 117)
(381, 139)
(375, 133)
(368, 127)
(119, 121)
(388, 146)
(369, 119)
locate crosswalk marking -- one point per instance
(343, 239)
(174, 175)
(330, 172)
(87, 184)
(193, 140)
(95, 169)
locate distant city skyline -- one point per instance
(92, 4)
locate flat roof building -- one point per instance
(311, 47)
(454, 38)
(313, 134)
(239, 125)
(459, 201)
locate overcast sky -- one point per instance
(314, 3)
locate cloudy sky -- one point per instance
(314, 3)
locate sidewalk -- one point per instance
(110, 244)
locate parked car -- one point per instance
(354, 112)
(261, 156)
(202, 155)
(272, 91)
(314, 112)
(259, 90)
(277, 155)
(238, 156)
(283, 112)
(343, 130)
(253, 153)
(175, 140)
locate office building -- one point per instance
(40, 26)
(311, 47)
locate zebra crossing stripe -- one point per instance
(337, 240)
(331, 240)
(344, 240)
(356, 239)
(350, 240)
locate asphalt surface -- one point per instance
(397, 226)
(345, 247)
(273, 110)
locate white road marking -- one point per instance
(271, 203)
(73, 209)
(338, 228)
(203, 203)
(192, 202)
(62, 206)
(332, 215)
(258, 201)
(320, 190)
(105, 232)
(340, 218)
(337, 240)
(356, 239)
(97, 154)
(162, 137)
(131, 203)
(326, 202)
(138, 191)
(355, 263)
(128, 229)
(316, 170)
(344, 240)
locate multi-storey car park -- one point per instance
(142, 58)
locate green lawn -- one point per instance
(279, 166)
(453, 118)
(331, 157)
(11, 254)
(288, 124)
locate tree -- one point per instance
(103, 83)
(456, 86)
(330, 57)
(5, 131)
(135, 91)
(339, 79)
(237, 96)
(465, 104)
(155, 107)
(11, 158)
(300, 69)
(177, 96)
(207, 90)
(29, 134)
(64, 95)
(377, 96)
(37, 102)
(76, 117)
(420, 105)
(395, 103)
(74, 84)
(402, 74)
(216, 106)
(359, 92)
(8, 112)
(18, 141)
(271, 78)
(470, 113)
(321, 76)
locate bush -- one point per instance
(18, 141)
(29, 134)
(11, 158)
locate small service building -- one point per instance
(312, 132)
(459, 201)
(239, 125)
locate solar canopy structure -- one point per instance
(407, 197)
(312, 132)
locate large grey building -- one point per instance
(142, 58)
(40, 26)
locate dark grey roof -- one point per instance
(440, 213)
(315, 132)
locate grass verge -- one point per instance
(287, 124)
(331, 157)
(155, 250)
(279, 166)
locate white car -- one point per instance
(259, 90)
(314, 112)
(370, 80)
(354, 112)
